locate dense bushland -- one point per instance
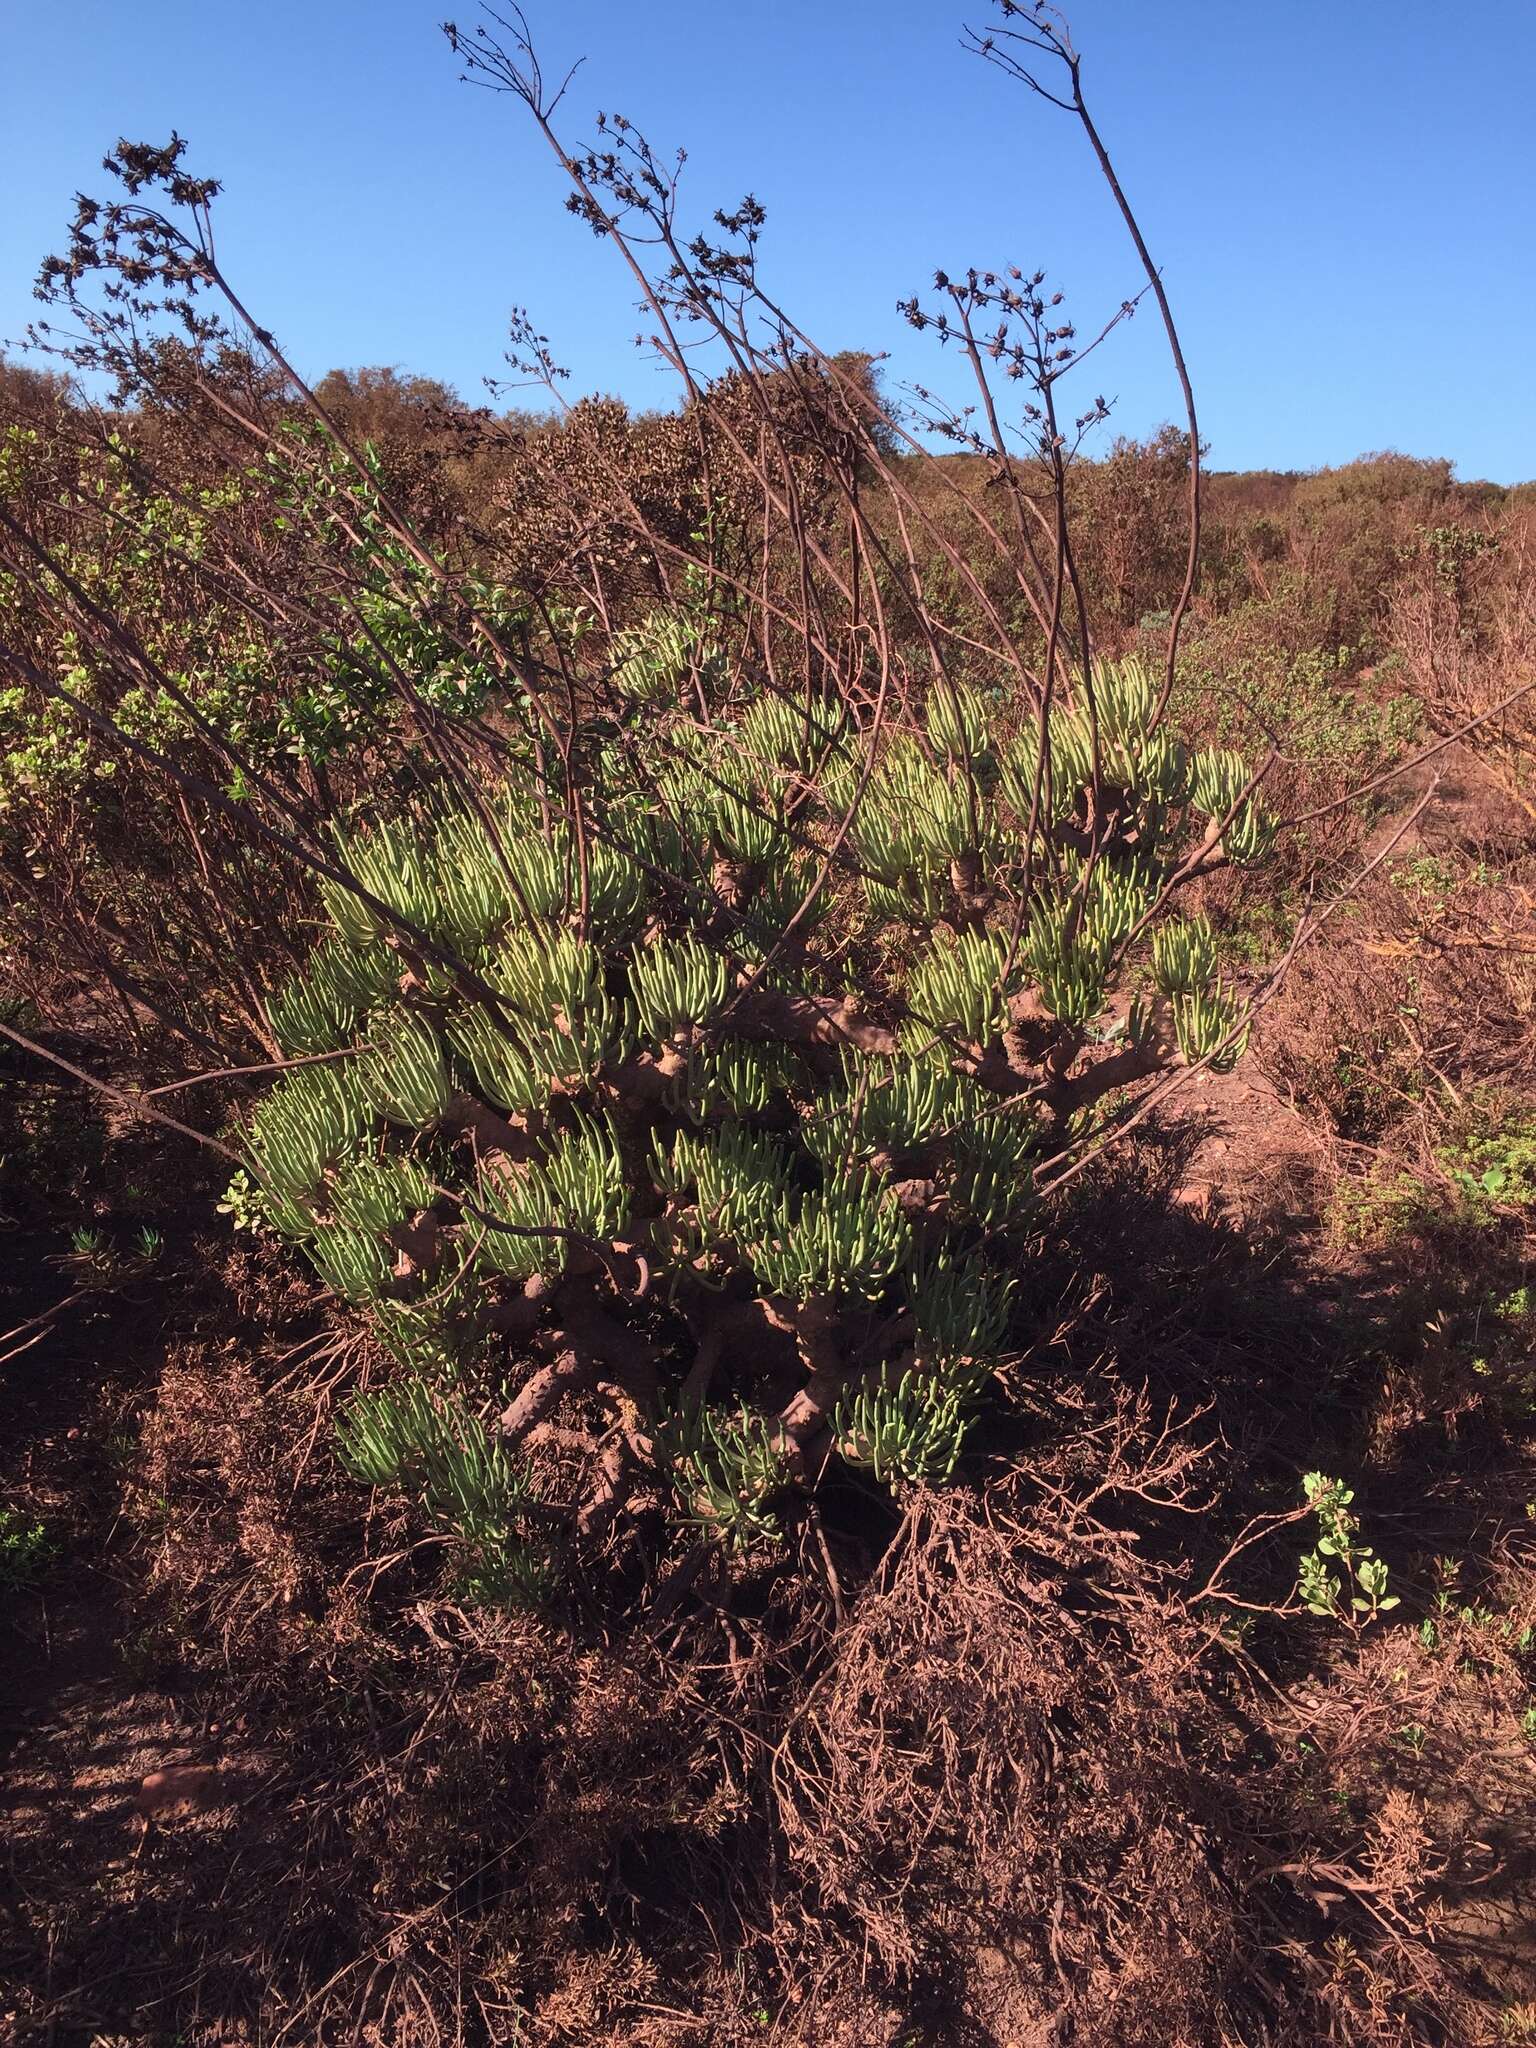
(717, 1440)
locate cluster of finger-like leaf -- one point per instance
(931, 809)
(1211, 1028)
(1221, 787)
(562, 1020)
(404, 1070)
(311, 1120)
(728, 1467)
(461, 881)
(1076, 930)
(415, 1435)
(1207, 1016)
(714, 801)
(671, 649)
(790, 740)
(887, 1104)
(1044, 784)
(918, 813)
(352, 1261)
(1112, 731)
(316, 1010)
(559, 877)
(379, 1194)
(992, 1152)
(737, 1181)
(847, 1238)
(960, 985)
(395, 878)
(678, 985)
(1183, 956)
(908, 1428)
(530, 1215)
(734, 1077)
(500, 1065)
(960, 1309)
(959, 727)
(422, 1439)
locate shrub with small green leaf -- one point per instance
(1341, 1568)
(1497, 1165)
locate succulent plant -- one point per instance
(599, 1092)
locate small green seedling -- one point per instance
(1340, 1563)
(26, 1550)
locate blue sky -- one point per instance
(1342, 195)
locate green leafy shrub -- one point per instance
(1497, 1166)
(1340, 1564)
